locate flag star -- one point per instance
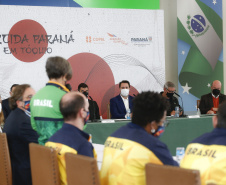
(214, 2)
(186, 88)
(183, 52)
(208, 85)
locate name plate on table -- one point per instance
(108, 121)
(194, 116)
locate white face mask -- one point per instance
(0, 107)
(124, 92)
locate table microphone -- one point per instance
(177, 94)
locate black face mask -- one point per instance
(216, 92)
(86, 94)
(169, 95)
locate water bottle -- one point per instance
(177, 111)
(198, 112)
(128, 114)
(180, 153)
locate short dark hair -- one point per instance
(14, 85)
(17, 95)
(147, 107)
(124, 81)
(221, 115)
(82, 85)
(57, 67)
(69, 108)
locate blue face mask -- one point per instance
(159, 131)
(27, 105)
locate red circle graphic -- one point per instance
(27, 40)
(95, 72)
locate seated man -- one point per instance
(209, 102)
(169, 90)
(121, 103)
(207, 153)
(131, 147)
(93, 107)
(70, 138)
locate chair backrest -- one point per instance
(81, 170)
(108, 111)
(5, 163)
(164, 174)
(198, 103)
(44, 165)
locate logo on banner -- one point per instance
(116, 39)
(141, 41)
(95, 40)
(197, 25)
(28, 41)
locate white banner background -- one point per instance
(142, 62)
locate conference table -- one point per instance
(179, 132)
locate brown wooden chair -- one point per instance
(198, 103)
(81, 170)
(164, 174)
(108, 111)
(44, 165)
(5, 163)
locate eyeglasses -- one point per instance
(170, 91)
(29, 96)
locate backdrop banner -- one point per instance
(104, 46)
(200, 48)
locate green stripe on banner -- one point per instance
(127, 4)
(214, 18)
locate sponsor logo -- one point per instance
(196, 25)
(116, 39)
(141, 41)
(95, 40)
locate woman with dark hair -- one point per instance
(19, 134)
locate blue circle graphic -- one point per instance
(198, 23)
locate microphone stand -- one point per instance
(94, 109)
(183, 115)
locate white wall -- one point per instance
(170, 16)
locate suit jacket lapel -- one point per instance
(121, 103)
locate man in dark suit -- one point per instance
(19, 134)
(93, 107)
(120, 104)
(5, 103)
(209, 102)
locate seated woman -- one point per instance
(19, 134)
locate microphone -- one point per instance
(177, 94)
